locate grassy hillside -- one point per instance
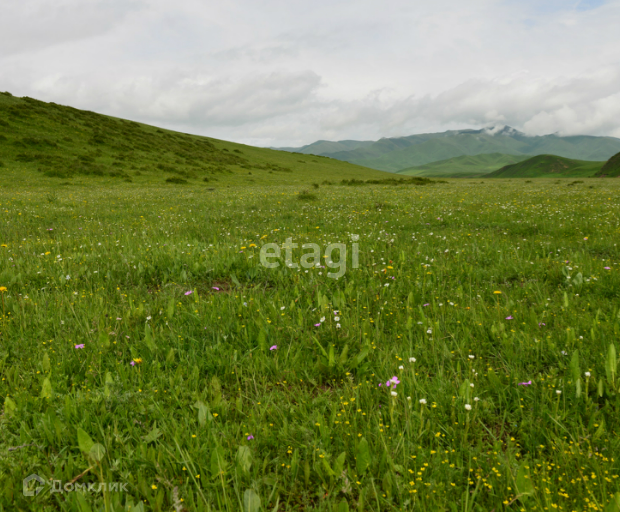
(394, 154)
(463, 166)
(548, 166)
(611, 169)
(61, 143)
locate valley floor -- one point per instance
(469, 363)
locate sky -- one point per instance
(289, 72)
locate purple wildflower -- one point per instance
(509, 318)
(133, 363)
(273, 347)
(250, 437)
(81, 345)
(189, 292)
(524, 383)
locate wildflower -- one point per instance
(607, 268)
(148, 318)
(471, 356)
(558, 391)
(317, 325)
(424, 305)
(153, 487)
(133, 363)
(215, 288)
(250, 437)
(476, 399)
(393, 393)
(119, 319)
(541, 324)
(497, 293)
(337, 326)
(3, 289)
(401, 367)
(412, 359)
(408, 398)
(322, 319)
(509, 318)
(429, 331)
(394, 380)
(337, 318)
(282, 308)
(587, 374)
(189, 292)
(273, 347)
(138, 360)
(524, 383)
(423, 401)
(468, 407)
(81, 345)
(471, 385)
(68, 277)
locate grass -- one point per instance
(548, 166)
(143, 343)
(464, 166)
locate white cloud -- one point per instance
(289, 72)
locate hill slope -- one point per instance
(611, 169)
(463, 166)
(41, 140)
(548, 166)
(394, 154)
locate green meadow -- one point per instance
(149, 361)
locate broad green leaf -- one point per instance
(9, 407)
(203, 413)
(244, 458)
(343, 506)
(170, 309)
(251, 501)
(614, 504)
(339, 464)
(46, 362)
(96, 452)
(362, 456)
(524, 484)
(46, 388)
(574, 366)
(84, 441)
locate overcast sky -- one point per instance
(289, 72)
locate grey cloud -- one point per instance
(32, 25)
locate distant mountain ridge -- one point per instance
(398, 153)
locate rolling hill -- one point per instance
(45, 142)
(463, 166)
(548, 166)
(611, 169)
(394, 154)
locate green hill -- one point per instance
(548, 166)
(463, 166)
(51, 142)
(611, 169)
(394, 154)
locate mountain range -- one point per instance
(400, 153)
